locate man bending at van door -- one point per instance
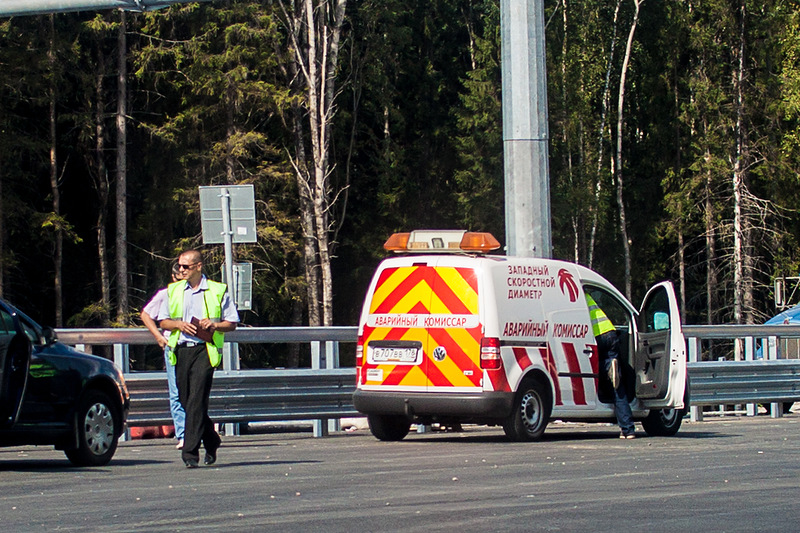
(198, 312)
(608, 348)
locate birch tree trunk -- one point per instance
(598, 187)
(623, 223)
(711, 239)
(315, 26)
(303, 179)
(58, 253)
(101, 187)
(743, 269)
(565, 137)
(122, 174)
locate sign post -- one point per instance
(228, 216)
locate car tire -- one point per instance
(98, 425)
(389, 427)
(531, 412)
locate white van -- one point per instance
(449, 334)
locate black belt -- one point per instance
(187, 344)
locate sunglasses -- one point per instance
(186, 267)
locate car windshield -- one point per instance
(32, 330)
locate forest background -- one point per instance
(674, 147)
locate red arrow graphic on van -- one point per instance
(567, 284)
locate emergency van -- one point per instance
(451, 334)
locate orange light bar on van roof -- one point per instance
(441, 241)
(479, 242)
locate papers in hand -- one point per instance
(202, 333)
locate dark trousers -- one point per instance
(194, 375)
(608, 346)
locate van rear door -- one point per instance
(423, 331)
(454, 330)
(660, 362)
(393, 334)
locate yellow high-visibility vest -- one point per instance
(600, 322)
(213, 309)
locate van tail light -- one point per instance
(360, 351)
(490, 353)
(359, 359)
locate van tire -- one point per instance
(667, 422)
(531, 412)
(389, 427)
(663, 422)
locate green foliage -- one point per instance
(417, 141)
(479, 176)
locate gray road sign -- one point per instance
(242, 284)
(240, 201)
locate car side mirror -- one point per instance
(49, 335)
(660, 321)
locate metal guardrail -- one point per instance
(741, 382)
(761, 374)
(252, 396)
(325, 391)
(322, 393)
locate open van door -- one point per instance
(660, 362)
(15, 358)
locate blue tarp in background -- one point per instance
(790, 316)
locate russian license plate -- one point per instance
(394, 354)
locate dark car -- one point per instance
(51, 394)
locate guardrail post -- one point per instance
(122, 357)
(332, 361)
(122, 361)
(230, 361)
(695, 411)
(772, 348)
(771, 353)
(749, 352)
(318, 359)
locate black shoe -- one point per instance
(211, 457)
(192, 463)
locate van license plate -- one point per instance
(394, 355)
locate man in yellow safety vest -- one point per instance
(608, 348)
(198, 312)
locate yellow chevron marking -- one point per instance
(389, 285)
(460, 288)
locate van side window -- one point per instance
(616, 312)
(656, 313)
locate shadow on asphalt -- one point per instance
(224, 464)
(64, 466)
(560, 435)
(57, 466)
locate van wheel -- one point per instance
(98, 430)
(389, 427)
(667, 422)
(530, 414)
(663, 422)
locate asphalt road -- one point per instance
(720, 475)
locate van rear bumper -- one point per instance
(493, 405)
